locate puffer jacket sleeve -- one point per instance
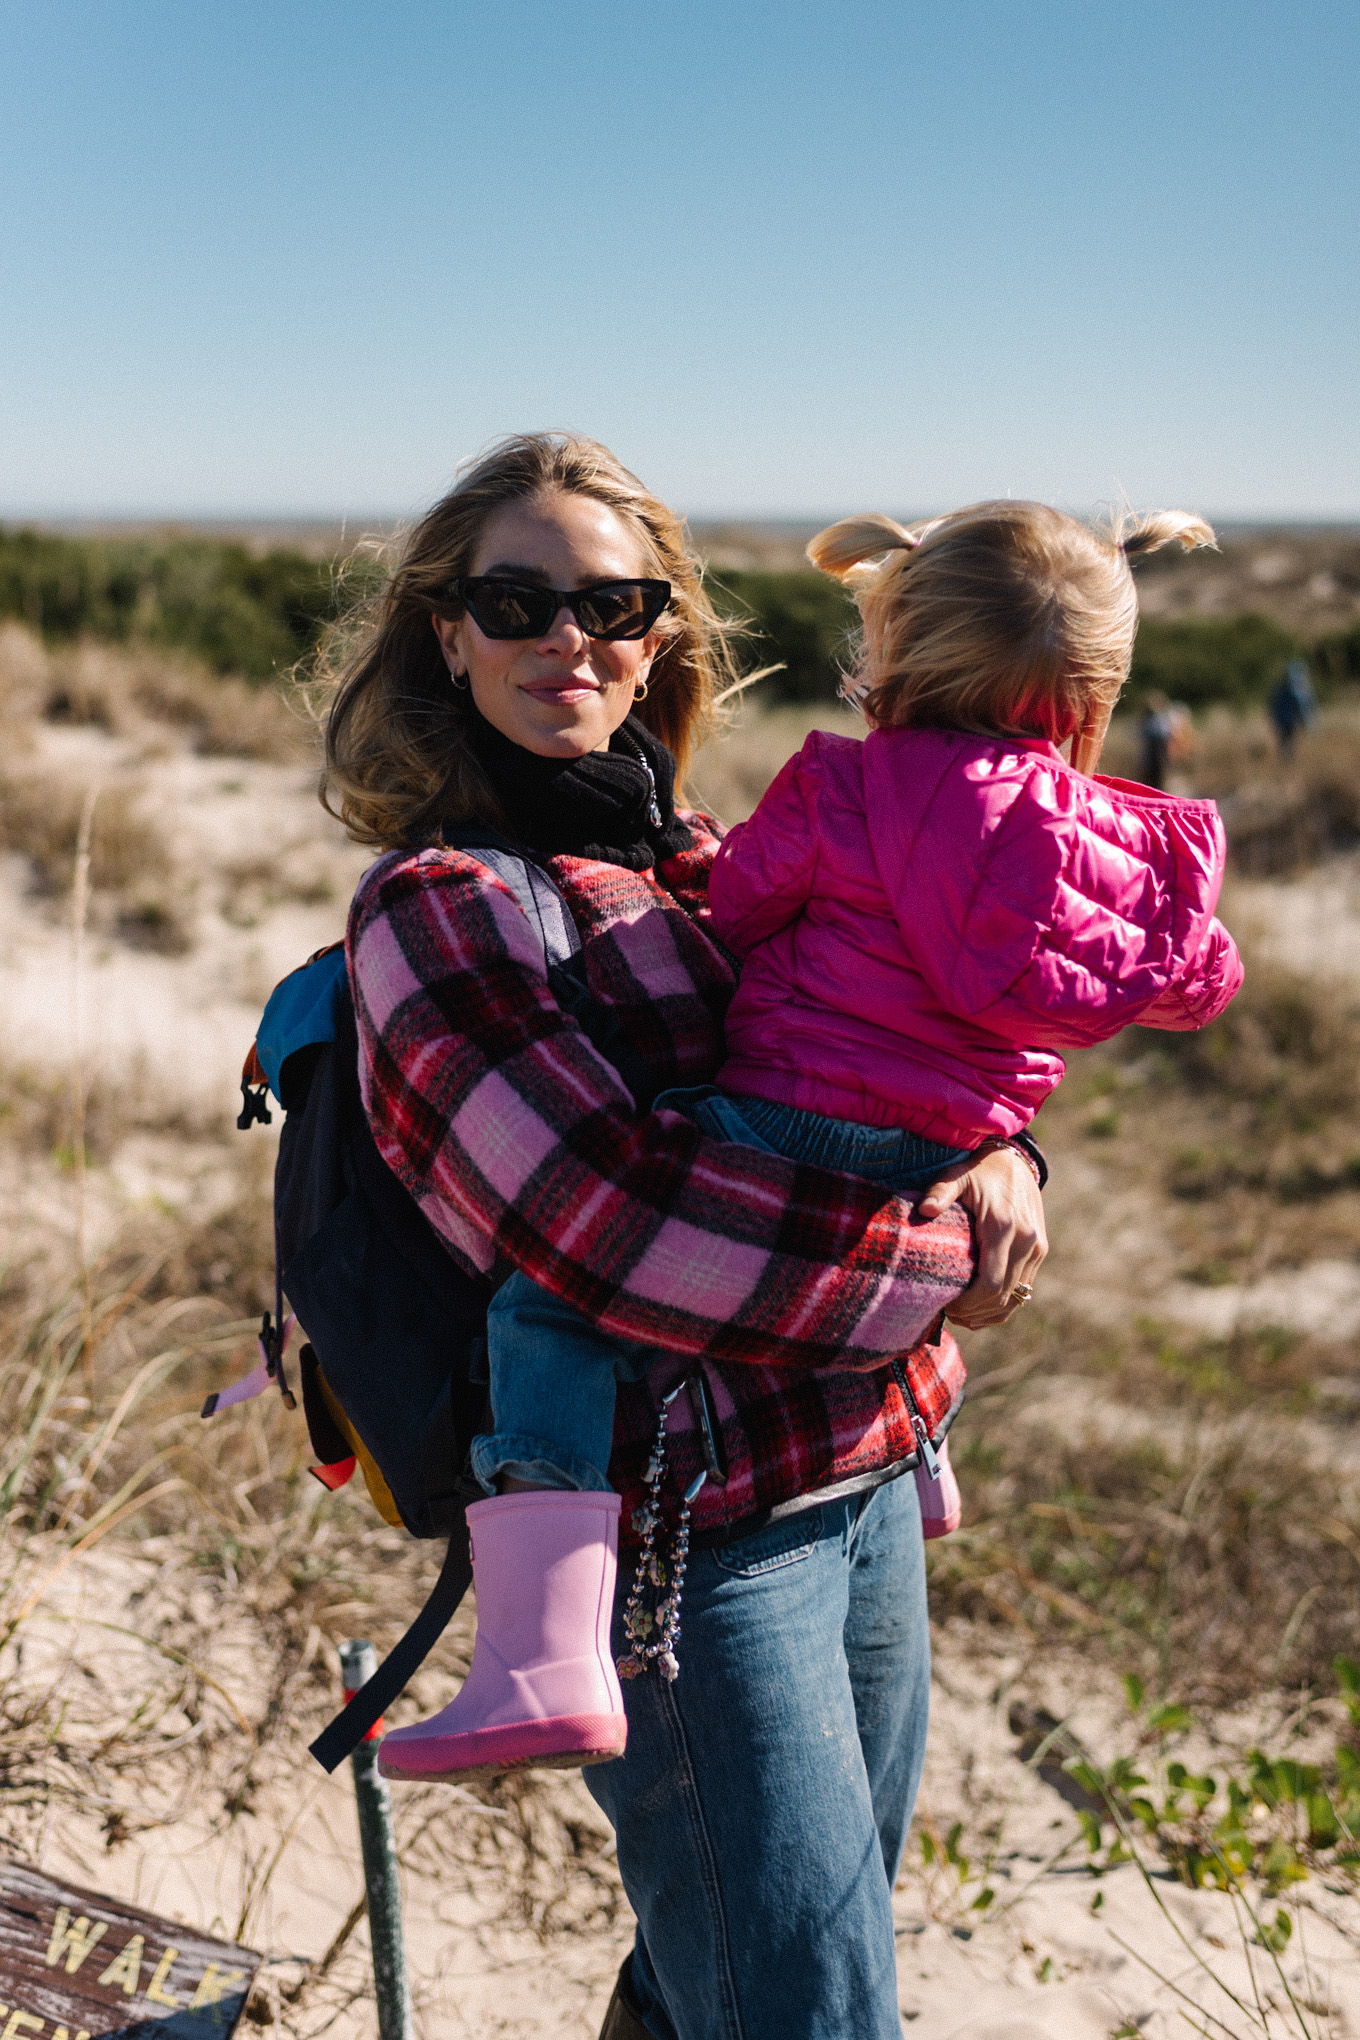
(1130, 936)
(1208, 987)
(524, 1150)
(1084, 907)
(764, 872)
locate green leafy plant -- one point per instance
(951, 1874)
(1274, 1822)
(1234, 659)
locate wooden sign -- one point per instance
(75, 1966)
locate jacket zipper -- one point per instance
(918, 1422)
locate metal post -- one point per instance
(358, 1662)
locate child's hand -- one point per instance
(999, 1190)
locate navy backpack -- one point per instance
(393, 1371)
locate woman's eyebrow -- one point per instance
(512, 570)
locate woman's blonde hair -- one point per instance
(1008, 619)
(398, 762)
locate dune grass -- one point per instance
(1145, 1499)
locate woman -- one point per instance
(764, 1796)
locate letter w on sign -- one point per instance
(77, 1966)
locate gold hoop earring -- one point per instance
(640, 691)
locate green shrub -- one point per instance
(1336, 660)
(238, 611)
(805, 622)
(1236, 659)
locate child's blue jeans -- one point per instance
(553, 1372)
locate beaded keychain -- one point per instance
(654, 1632)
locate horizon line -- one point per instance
(232, 520)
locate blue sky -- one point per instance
(302, 258)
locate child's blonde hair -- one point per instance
(1008, 619)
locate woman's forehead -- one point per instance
(549, 536)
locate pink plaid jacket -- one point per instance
(794, 1286)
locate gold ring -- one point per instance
(1021, 1293)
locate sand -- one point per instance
(1058, 1952)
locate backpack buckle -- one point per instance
(254, 1107)
(273, 1339)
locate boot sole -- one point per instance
(578, 1762)
(487, 1752)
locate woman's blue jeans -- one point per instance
(763, 1799)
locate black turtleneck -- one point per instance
(616, 805)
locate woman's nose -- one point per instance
(564, 633)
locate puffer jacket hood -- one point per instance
(929, 917)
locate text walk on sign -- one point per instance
(75, 1966)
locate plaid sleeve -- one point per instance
(523, 1148)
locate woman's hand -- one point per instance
(999, 1189)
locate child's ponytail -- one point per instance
(842, 547)
(1134, 536)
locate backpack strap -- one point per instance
(402, 1663)
(541, 902)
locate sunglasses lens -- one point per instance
(620, 609)
(508, 609)
(612, 611)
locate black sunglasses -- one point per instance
(523, 609)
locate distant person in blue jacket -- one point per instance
(1166, 738)
(1293, 705)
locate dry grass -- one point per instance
(40, 818)
(252, 887)
(225, 718)
(1162, 1504)
(131, 869)
(146, 704)
(1184, 1506)
(244, 1574)
(136, 694)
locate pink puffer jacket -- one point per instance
(927, 917)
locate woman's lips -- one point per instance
(567, 690)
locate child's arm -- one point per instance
(763, 874)
(1206, 989)
(1074, 922)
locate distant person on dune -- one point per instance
(1156, 730)
(1292, 705)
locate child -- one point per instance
(926, 920)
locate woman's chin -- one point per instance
(561, 743)
(560, 729)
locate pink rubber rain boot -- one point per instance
(542, 1688)
(941, 1502)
